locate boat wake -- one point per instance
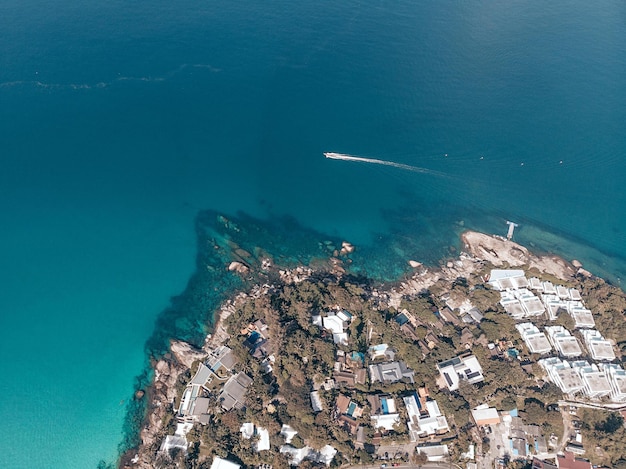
(359, 159)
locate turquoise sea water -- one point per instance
(119, 121)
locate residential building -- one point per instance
(599, 348)
(249, 430)
(233, 393)
(385, 422)
(508, 279)
(434, 452)
(596, 383)
(390, 372)
(521, 303)
(565, 343)
(554, 305)
(548, 288)
(539, 464)
(582, 316)
(472, 315)
(483, 415)
(464, 367)
(535, 284)
(219, 463)
(574, 294)
(424, 416)
(448, 316)
(381, 351)
(316, 402)
(561, 373)
(382, 404)
(345, 406)
(194, 405)
(178, 439)
(221, 360)
(336, 323)
(569, 461)
(617, 379)
(535, 340)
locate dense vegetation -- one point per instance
(305, 354)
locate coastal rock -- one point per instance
(415, 264)
(346, 248)
(139, 393)
(501, 252)
(185, 354)
(577, 264)
(238, 267)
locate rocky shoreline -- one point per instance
(479, 249)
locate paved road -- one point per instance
(430, 465)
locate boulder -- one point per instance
(238, 267)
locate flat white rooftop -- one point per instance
(535, 284)
(561, 373)
(596, 383)
(548, 287)
(565, 343)
(568, 346)
(485, 416)
(505, 279)
(386, 421)
(536, 341)
(598, 346)
(455, 369)
(582, 317)
(333, 323)
(219, 463)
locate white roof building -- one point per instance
(248, 430)
(596, 383)
(535, 284)
(527, 303)
(296, 456)
(381, 351)
(536, 341)
(599, 348)
(485, 415)
(263, 443)
(553, 304)
(424, 417)
(565, 343)
(582, 316)
(512, 305)
(341, 338)
(561, 373)
(219, 463)
(434, 453)
(574, 294)
(288, 433)
(385, 421)
(457, 368)
(316, 402)
(333, 323)
(507, 279)
(617, 380)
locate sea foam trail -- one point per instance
(415, 169)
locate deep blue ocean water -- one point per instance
(119, 121)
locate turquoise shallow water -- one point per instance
(120, 121)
